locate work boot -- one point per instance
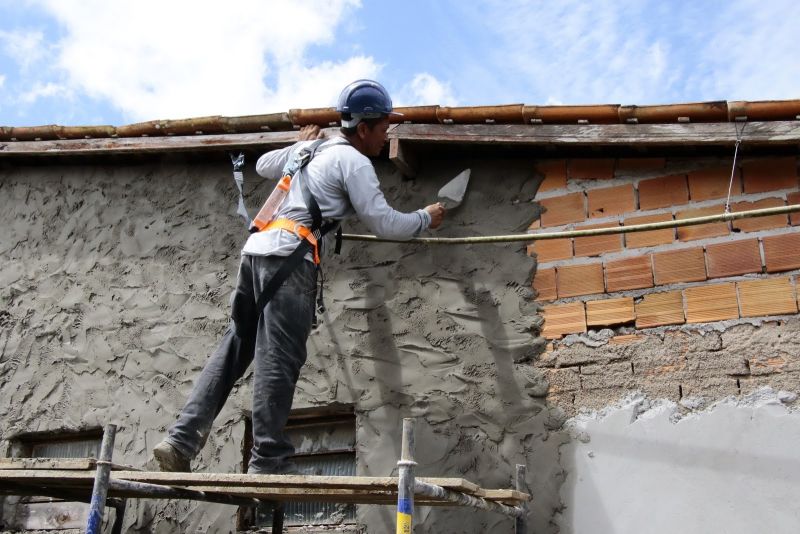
(284, 468)
(170, 459)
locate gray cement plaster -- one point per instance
(114, 289)
(645, 466)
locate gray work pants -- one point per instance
(276, 340)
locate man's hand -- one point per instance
(436, 212)
(309, 132)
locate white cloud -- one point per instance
(25, 47)
(44, 90)
(425, 89)
(633, 52)
(2, 80)
(757, 60)
(156, 59)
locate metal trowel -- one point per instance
(453, 191)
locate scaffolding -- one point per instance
(104, 484)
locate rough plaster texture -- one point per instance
(114, 289)
(643, 467)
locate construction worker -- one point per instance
(340, 179)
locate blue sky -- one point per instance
(77, 62)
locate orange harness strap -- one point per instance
(297, 229)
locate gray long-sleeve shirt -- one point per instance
(344, 183)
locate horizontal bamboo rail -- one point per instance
(765, 212)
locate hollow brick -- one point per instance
(702, 231)
(650, 238)
(591, 168)
(660, 309)
(771, 296)
(771, 174)
(563, 209)
(609, 312)
(555, 174)
(684, 265)
(547, 250)
(705, 184)
(759, 223)
(663, 192)
(611, 201)
(782, 252)
(597, 245)
(734, 258)
(705, 304)
(794, 199)
(629, 273)
(544, 282)
(575, 280)
(560, 319)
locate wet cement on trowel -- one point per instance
(114, 290)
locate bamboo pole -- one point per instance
(765, 212)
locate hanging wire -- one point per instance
(739, 134)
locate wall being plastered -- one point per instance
(114, 289)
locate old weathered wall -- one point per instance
(700, 321)
(671, 312)
(115, 289)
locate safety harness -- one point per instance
(310, 238)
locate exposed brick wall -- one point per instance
(697, 274)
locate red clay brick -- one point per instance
(734, 258)
(560, 319)
(591, 168)
(611, 201)
(597, 245)
(651, 238)
(685, 265)
(551, 250)
(793, 199)
(705, 304)
(564, 209)
(701, 231)
(660, 309)
(705, 184)
(771, 296)
(663, 192)
(544, 282)
(630, 273)
(555, 174)
(769, 174)
(609, 312)
(574, 280)
(625, 165)
(782, 252)
(760, 223)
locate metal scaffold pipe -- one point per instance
(405, 483)
(100, 490)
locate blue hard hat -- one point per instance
(364, 99)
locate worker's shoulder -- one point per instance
(345, 154)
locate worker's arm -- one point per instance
(373, 210)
